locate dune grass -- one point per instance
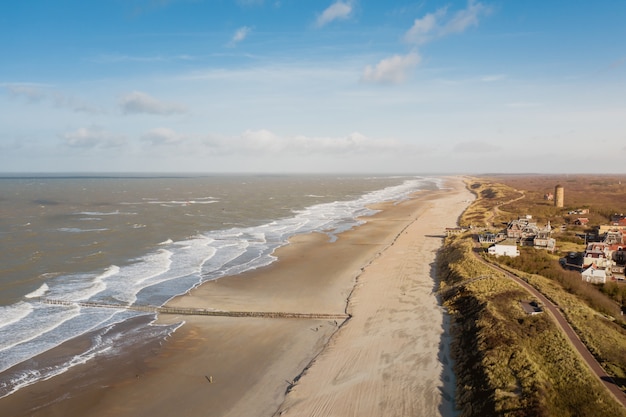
(507, 362)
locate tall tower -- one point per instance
(559, 196)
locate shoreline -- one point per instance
(244, 366)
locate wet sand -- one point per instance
(390, 358)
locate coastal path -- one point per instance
(568, 331)
(197, 311)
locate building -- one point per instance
(596, 253)
(487, 238)
(505, 248)
(594, 275)
(559, 196)
(521, 228)
(453, 231)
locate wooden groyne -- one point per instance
(197, 311)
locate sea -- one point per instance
(141, 240)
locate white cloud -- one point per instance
(392, 70)
(137, 102)
(337, 11)
(163, 136)
(422, 29)
(93, 138)
(34, 93)
(464, 18)
(437, 25)
(263, 141)
(240, 35)
(395, 70)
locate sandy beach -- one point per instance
(390, 358)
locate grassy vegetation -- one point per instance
(540, 262)
(507, 362)
(490, 198)
(512, 364)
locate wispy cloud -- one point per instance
(256, 142)
(392, 70)
(396, 69)
(339, 10)
(93, 138)
(475, 147)
(35, 93)
(240, 35)
(423, 28)
(493, 78)
(119, 58)
(440, 23)
(163, 136)
(137, 102)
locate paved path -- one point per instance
(554, 310)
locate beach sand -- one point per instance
(390, 358)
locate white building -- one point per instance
(503, 249)
(594, 275)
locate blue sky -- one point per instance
(313, 86)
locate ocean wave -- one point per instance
(77, 230)
(38, 292)
(170, 269)
(104, 213)
(14, 313)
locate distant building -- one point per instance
(505, 248)
(594, 275)
(596, 253)
(559, 196)
(452, 231)
(521, 228)
(487, 238)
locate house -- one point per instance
(581, 221)
(594, 275)
(596, 253)
(505, 248)
(521, 228)
(579, 211)
(544, 242)
(487, 238)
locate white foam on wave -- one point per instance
(104, 213)
(175, 267)
(97, 285)
(14, 313)
(124, 285)
(38, 292)
(32, 327)
(99, 347)
(77, 230)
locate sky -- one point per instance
(313, 86)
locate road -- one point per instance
(555, 312)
